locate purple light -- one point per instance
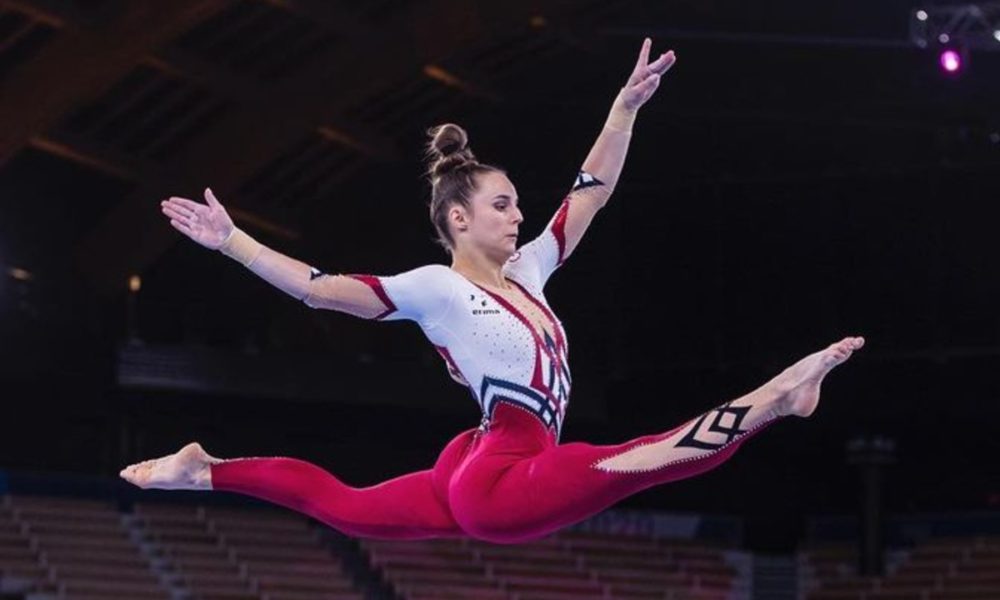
(951, 61)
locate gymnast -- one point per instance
(509, 479)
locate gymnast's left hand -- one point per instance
(645, 77)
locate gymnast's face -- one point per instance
(492, 223)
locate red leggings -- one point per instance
(510, 484)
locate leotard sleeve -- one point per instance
(536, 260)
(423, 294)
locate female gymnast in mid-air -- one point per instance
(508, 480)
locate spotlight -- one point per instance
(19, 274)
(951, 61)
(996, 34)
(921, 15)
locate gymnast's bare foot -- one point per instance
(187, 469)
(798, 385)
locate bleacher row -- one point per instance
(938, 569)
(87, 550)
(72, 549)
(568, 566)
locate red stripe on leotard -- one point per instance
(559, 229)
(446, 355)
(376, 286)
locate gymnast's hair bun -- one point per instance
(448, 150)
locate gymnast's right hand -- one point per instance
(208, 224)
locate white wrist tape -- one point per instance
(620, 118)
(241, 247)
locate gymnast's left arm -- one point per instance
(604, 163)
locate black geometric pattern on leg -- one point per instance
(315, 273)
(690, 439)
(586, 180)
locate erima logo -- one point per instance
(482, 311)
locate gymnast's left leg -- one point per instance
(507, 500)
(406, 507)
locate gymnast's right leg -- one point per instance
(407, 507)
(506, 497)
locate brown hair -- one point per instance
(452, 169)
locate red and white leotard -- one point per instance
(486, 341)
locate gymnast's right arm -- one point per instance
(211, 226)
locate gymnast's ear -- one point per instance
(459, 217)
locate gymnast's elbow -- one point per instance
(345, 295)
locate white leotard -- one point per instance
(487, 342)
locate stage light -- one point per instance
(921, 15)
(996, 34)
(951, 61)
(19, 274)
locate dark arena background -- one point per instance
(806, 171)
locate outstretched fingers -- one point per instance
(641, 62)
(184, 203)
(182, 227)
(662, 64)
(175, 211)
(645, 77)
(181, 219)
